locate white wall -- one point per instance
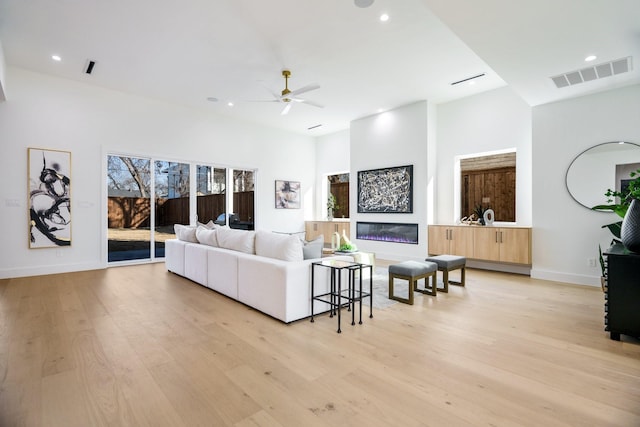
(48, 112)
(3, 94)
(394, 138)
(332, 157)
(488, 122)
(565, 234)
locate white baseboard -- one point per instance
(9, 273)
(556, 276)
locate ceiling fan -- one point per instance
(289, 97)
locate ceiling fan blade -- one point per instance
(302, 90)
(275, 95)
(286, 109)
(306, 101)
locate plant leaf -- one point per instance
(615, 228)
(620, 210)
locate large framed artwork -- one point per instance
(49, 174)
(287, 194)
(387, 190)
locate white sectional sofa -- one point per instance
(264, 270)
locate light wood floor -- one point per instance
(142, 347)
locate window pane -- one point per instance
(243, 200)
(211, 200)
(172, 200)
(128, 208)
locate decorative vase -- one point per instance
(630, 233)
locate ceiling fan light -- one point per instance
(363, 3)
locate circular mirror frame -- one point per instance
(566, 177)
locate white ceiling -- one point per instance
(234, 50)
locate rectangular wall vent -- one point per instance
(598, 71)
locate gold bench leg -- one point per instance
(411, 284)
(433, 290)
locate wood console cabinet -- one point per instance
(452, 240)
(622, 293)
(503, 244)
(314, 229)
(499, 244)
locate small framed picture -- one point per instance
(287, 194)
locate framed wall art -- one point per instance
(49, 175)
(287, 194)
(386, 190)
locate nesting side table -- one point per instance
(337, 297)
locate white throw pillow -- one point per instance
(237, 240)
(313, 249)
(207, 236)
(186, 233)
(210, 225)
(278, 246)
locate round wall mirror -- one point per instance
(599, 168)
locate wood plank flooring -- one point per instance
(138, 346)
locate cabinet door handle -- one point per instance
(497, 237)
(501, 241)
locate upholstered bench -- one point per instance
(447, 263)
(412, 271)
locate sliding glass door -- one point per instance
(146, 197)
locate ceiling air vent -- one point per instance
(88, 67)
(599, 71)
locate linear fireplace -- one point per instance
(387, 232)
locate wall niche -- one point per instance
(489, 181)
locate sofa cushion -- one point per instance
(207, 236)
(279, 246)
(186, 233)
(312, 249)
(210, 225)
(237, 240)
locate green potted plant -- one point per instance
(331, 205)
(479, 210)
(624, 199)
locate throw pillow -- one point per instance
(313, 249)
(278, 246)
(186, 233)
(210, 225)
(207, 236)
(237, 240)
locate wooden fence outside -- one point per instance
(134, 212)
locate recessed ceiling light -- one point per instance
(380, 110)
(590, 58)
(384, 17)
(363, 3)
(56, 58)
(230, 104)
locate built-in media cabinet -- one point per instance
(622, 292)
(499, 244)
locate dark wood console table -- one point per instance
(622, 292)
